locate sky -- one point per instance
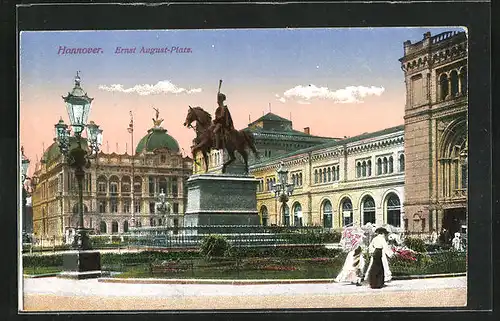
(337, 81)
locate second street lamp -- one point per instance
(283, 190)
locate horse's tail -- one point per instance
(250, 140)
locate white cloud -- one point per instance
(302, 102)
(350, 94)
(281, 99)
(161, 87)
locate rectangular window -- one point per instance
(137, 205)
(151, 207)
(126, 206)
(175, 208)
(113, 188)
(114, 205)
(102, 187)
(175, 192)
(464, 176)
(102, 206)
(151, 186)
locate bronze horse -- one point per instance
(235, 140)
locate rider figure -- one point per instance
(223, 122)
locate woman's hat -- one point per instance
(381, 230)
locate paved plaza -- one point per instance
(55, 294)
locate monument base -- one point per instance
(221, 200)
(81, 265)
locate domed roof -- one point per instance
(53, 152)
(157, 138)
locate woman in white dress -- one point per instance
(352, 271)
(378, 270)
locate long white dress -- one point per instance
(379, 242)
(349, 272)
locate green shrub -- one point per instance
(214, 246)
(416, 244)
(288, 251)
(42, 260)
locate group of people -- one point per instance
(378, 271)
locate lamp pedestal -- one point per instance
(81, 265)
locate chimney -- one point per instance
(307, 131)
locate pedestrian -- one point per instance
(378, 270)
(456, 243)
(354, 264)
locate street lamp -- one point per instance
(25, 163)
(282, 190)
(163, 206)
(78, 107)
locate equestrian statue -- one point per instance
(219, 133)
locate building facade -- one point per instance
(345, 182)
(119, 190)
(435, 71)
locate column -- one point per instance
(449, 87)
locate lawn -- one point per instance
(38, 270)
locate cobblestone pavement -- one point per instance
(55, 294)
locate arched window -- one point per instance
(327, 214)
(391, 164)
(393, 210)
(369, 167)
(329, 174)
(463, 80)
(114, 227)
(297, 214)
(385, 165)
(324, 175)
(315, 176)
(113, 185)
(103, 229)
(363, 169)
(125, 226)
(286, 215)
(338, 172)
(320, 175)
(402, 163)
(126, 186)
(358, 169)
(368, 209)
(300, 179)
(454, 83)
(347, 212)
(379, 166)
(443, 86)
(264, 215)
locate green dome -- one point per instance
(157, 138)
(52, 153)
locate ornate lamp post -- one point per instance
(282, 190)
(78, 107)
(163, 206)
(25, 163)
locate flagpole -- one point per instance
(131, 131)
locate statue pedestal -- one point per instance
(221, 201)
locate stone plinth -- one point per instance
(81, 265)
(221, 200)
